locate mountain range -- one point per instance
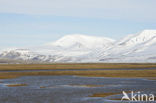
(134, 48)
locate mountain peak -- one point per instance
(148, 33)
(145, 35)
(76, 37)
(149, 30)
(142, 37)
(81, 41)
(138, 47)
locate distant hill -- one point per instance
(140, 47)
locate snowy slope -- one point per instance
(66, 49)
(27, 55)
(133, 48)
(79, 41)
(74, 45)
(140, 47)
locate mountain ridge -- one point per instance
(80, 39)
(139, 47)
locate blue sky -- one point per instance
(35, 22)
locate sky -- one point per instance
(36, 22)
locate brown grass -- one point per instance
(74, 66)
(89, 73)
(103, 94)
(42, 87)
(93, 73)
(16, 85)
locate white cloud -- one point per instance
(116, 9)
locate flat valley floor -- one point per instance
(74, 83)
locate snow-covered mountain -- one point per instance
(67, 48)
(78, 41)
(140, 47)
(74, 45)
(27, 56)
